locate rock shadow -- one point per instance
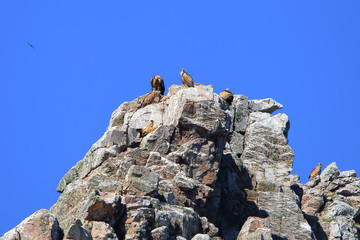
(228, 207)
(316, 227)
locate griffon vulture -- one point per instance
(148, 129)
(157, 83)
(227, 96)
(186, 79)
(152, 97)
(315, 172)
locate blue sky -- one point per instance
(90, 56)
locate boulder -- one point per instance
(41, 225)
(267, 105)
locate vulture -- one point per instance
(152, 97)
(186, 79)
(227, 96)
(31, 45)
(157, 83)
(148, 129)
(315, 172)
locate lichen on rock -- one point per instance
(206, 170)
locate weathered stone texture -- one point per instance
(41, 225)
(267, 156)
(332, 204)
(206, 170)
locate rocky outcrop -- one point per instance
(207, 169)
(41, 225)
(331, 203)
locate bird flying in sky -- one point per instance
(31, 45)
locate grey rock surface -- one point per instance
(201, 237)
(77, 232)
(255, 229)
(268, 105)
(267, 155)
(207, 169)
(331, 204)
(41, 225)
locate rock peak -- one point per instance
(191, 165)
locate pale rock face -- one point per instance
(285, 217)
(201, 237)
(160, 233)
(330, 172)
(41, 225)
(267, 105)
(254, 229)
(209, 170)
(267, 156)
(102, 230)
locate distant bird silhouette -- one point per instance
(31, 45)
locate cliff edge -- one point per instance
(194, 167)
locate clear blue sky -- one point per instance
(90, 56)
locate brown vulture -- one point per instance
(186, 79)
(157, 83)
(315, 172)
(227, 96)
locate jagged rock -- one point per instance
(170, 198)
(206, 170)
(338, 208)
(139, 223)
(159, 140)
(134, 202)
(201, 237)
(160, 233)
(77, 232)
(285, 218)
(268, 105)
(142, 181)
(185, 222)
(41, 225)
(347, 174)
(102, 230)
(254, 229)
(312, 202)
(209, 228)
(180, 238)
(103, 207)
(335, 215)
(330, 173)
(91, 161)
(185, 183)
(82, 200)
(267, 156)
(240, 113)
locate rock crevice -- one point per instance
(207, 169)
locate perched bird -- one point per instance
(152, 97)
(227, 96)
(31, 45)
(186, 79)
(315, 172)
(148, 129)
(157, 83)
